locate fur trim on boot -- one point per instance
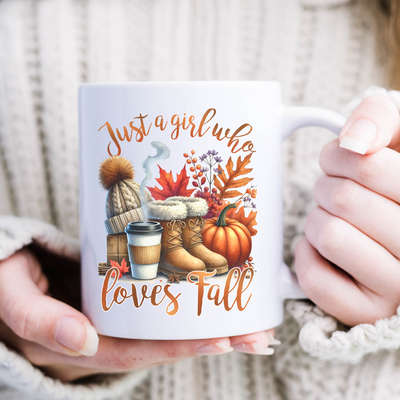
(166, 210)
(196, 207)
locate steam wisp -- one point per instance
(162, 153)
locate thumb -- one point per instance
(374, 124)
(38, 318)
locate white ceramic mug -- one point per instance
(216, 141)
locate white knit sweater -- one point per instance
(324, 52)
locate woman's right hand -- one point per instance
(62, 342)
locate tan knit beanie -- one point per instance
(123, 204)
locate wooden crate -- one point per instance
(117, 248)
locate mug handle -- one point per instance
(292, 119)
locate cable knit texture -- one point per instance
(324, 52)
(323, 336)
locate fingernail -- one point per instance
(253, 348)
(272, 340)
(213, 349)
(77, 335)
(359, 136)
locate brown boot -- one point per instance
(191, 235)
(174, 258)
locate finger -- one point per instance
(344, 245)
(126, 354)
(54, 364)
(116, 355)
(255, 343)
(373, 125)
(39, 318)
(374, 215)
(378, 171)
(60, 366)
(334, 290)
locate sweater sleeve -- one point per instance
(322, 335)
(17, 373)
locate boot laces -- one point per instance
(175, 225)
(195, 237)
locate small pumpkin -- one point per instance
(227, 237)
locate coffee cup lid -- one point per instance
(144, 228)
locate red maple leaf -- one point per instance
(123, 268)
(170, 188)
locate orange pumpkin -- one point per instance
(227, 237)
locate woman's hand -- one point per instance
(61, 341)
(349, 262)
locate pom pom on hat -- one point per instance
(115, 169)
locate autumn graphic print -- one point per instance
(180, 228)
(193, 223)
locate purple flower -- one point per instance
(218, 171)
(246, 199)
(203, 157)
(204, 169)
(218, 159)
(212, 152)
(253, 205)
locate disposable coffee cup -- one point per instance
(144, 248)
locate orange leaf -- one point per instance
(249, 222)
(114, 264)
(124, 268)
(224, 183)
(169, 187)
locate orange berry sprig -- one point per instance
(199, 180)
(248, 264)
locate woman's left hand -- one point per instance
(349, 262)
(51, 332)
